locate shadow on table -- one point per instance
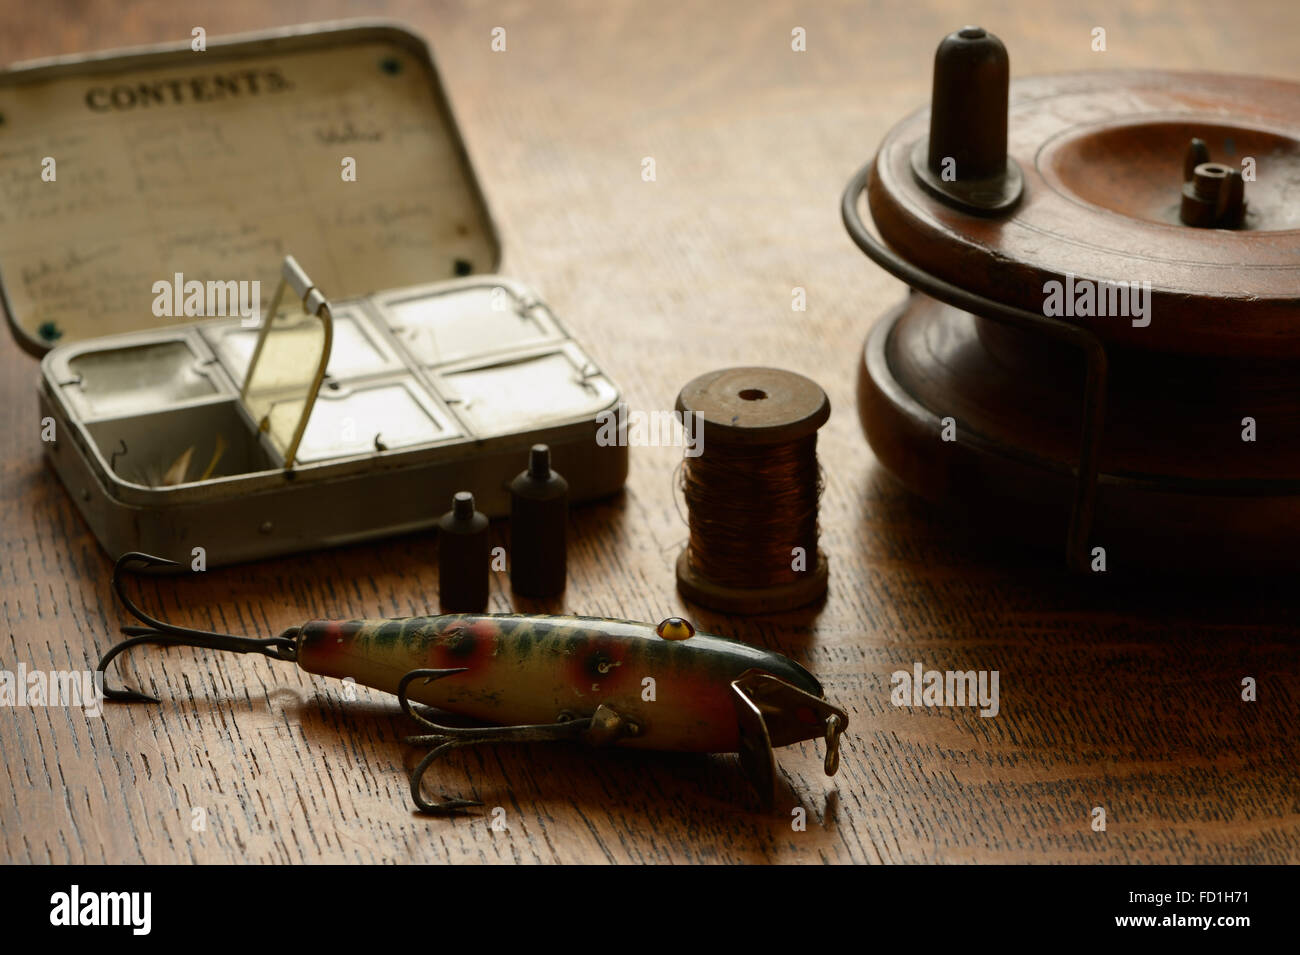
(613, 790)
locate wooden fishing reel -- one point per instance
(1101, 344)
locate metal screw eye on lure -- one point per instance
(539, 678)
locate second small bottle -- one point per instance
(539, 516)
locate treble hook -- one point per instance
(159, 632)
(601, 727)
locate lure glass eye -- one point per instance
(675, 628)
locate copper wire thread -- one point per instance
(749, 507)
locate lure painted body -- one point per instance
(537, 678)
(536, 669)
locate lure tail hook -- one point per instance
(603, 726)
(161, 633)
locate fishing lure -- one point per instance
(537, 678)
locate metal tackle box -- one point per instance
(154, 201)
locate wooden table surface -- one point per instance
(1119, 694)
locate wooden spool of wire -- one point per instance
(752, 493)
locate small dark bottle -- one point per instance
(539, 515)
(463, 556)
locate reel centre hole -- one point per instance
(753, 394)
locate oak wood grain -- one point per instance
(1114, 693)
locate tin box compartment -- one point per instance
(138, 376)
(543, 387)
(365, 417)
(359, 348)
(202, 441)
(454, 322)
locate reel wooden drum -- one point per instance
(1100, 351)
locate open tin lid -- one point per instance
(127, 174)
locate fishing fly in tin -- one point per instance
(542, 678)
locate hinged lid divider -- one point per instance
(260, 399)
